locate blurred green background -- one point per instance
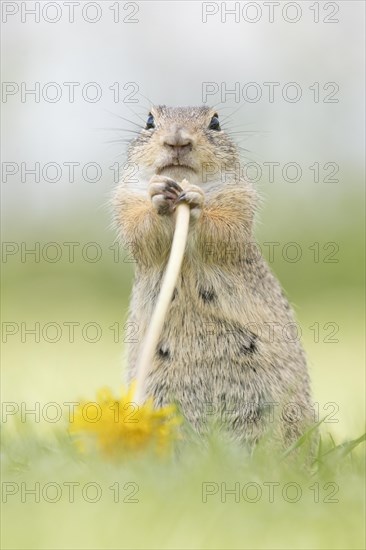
(327, 296)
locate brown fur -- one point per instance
(216, 353)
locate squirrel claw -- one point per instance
(164, 192)
(193, 196)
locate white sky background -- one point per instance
(168, 54)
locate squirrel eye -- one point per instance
(150, 123)
(215, 123)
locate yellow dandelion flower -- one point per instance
(118, 426)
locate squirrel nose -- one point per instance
(178, 139)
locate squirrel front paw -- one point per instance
(164, 193)
(194, 196)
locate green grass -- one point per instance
(170, 512)
(184, 501)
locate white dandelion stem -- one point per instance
(162, 305)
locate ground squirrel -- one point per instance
(222, 353)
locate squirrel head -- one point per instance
(183, 142)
